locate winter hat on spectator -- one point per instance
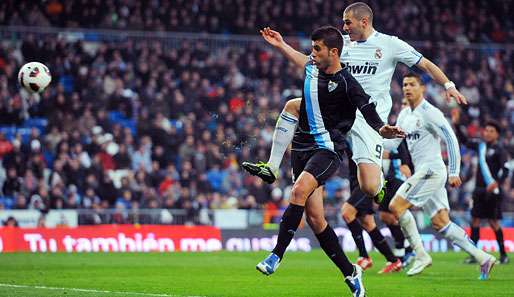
(16, 143)
(276, 194)
(97, 130)
(36, 202)
(72, 188)
(35, 145)
(232, 202)
(112, 147)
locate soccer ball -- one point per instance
(34, 77)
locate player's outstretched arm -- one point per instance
(275, 39)
(438, 75)
(391, 132)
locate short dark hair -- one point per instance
(330, 36)
(360, 10)
(495, 124)
(416, 76)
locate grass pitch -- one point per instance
(232, 274)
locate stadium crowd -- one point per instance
(461, 20)
(139, 125)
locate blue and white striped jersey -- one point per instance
(328, 109)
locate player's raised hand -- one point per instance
(455, 94)
(272, 37)
(454, 181)
(388, 131)
(492, 187)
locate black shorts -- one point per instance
(322, 164)
(393, 184)
(362, 203)
(487, 205)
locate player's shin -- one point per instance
(499, 239)
(282, 137)
(356, 229)
(399, 238)
(381, 244)
(459, 237)
(410, 230)
(330, 244)
(475, 234)
(288, 224)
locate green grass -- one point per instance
(234, 274)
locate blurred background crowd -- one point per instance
(435, 20)
(141, 124)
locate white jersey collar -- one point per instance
(373, 33)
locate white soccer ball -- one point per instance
(34, 77)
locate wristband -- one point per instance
(448, 85)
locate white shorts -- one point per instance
(426, 189)
(365, 143)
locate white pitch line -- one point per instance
(91, 291)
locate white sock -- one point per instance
(282, 137)
(459, 237)
(406, 244)
(410, 230)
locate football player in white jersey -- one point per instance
(425, 126)
(371, 57)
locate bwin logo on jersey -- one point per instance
(331, 86)
(367, 68)
(413, 136)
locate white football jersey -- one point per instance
(425, 126)
(372, 62)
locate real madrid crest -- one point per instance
(378, 54)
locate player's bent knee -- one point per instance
(369, 187)
(369, 178)
(387, 218)
(293, 106)
(348, 212)
(438, 225)
(299, 195)
(316, 223)
(368, 224)
(348, 215)
(369, 190)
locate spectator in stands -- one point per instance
(10, 222)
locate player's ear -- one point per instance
(363, 21)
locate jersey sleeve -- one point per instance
(360, 99)
(444, 130)
(404, 52)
